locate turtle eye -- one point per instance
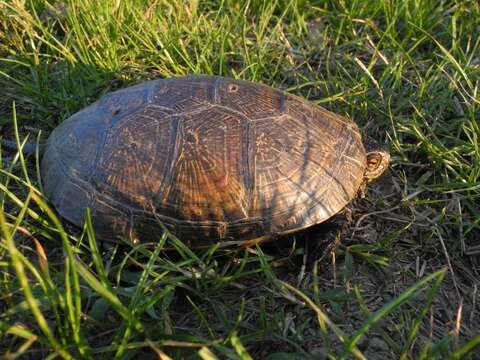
(373, 161)
(377, 163)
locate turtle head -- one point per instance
(377, 163)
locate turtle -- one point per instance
(208, 158)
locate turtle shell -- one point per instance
(210, 158)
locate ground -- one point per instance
(394, 275)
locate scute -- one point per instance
(254, 101)
(306, 168)
(135, 158)
(185, 95)
(207, 180)
(210, 158)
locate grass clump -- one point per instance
(400, 281)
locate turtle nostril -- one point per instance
(117, 111)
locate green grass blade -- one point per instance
(416, 325)
(324, 320)
(97, 259)
(239, 348)
(466, 348)
(23, 280)
(72, 284)
(108, 295)
(387, 309)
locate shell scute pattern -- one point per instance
(81, 142)
(209, 148)
(184, 96)
(72, 198)
(251, 100)
(108, 218)
(135, 159)
(119, 104)
(211, 158)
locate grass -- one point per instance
(395, 277)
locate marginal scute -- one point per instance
(208, 157)
(109, 219)
(71, 199)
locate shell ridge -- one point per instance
(248, 137)
(215, 89)
(173, 158)
(230, 110)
